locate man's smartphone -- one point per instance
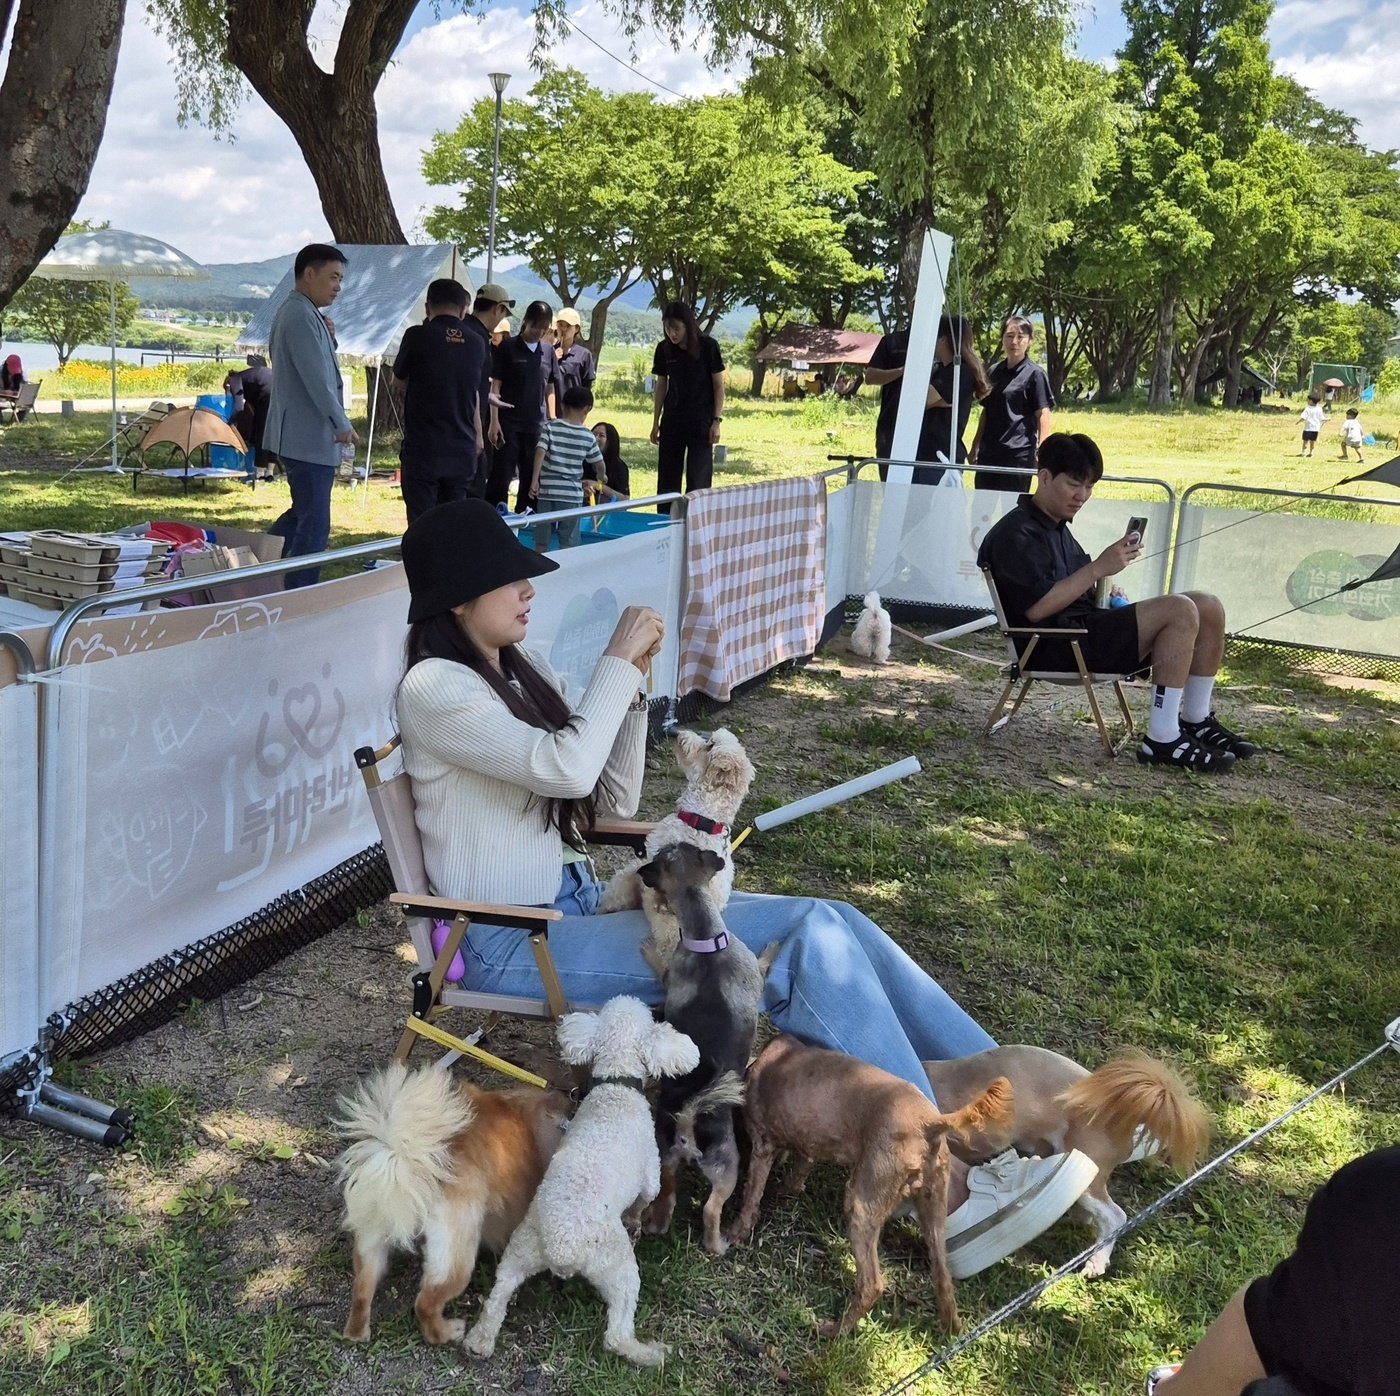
(1137, 524)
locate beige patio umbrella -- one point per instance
(189, 428)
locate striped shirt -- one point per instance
(567, 445)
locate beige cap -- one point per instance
(504, 326)
(494, 291)
(569, 316)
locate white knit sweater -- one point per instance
(474, 766)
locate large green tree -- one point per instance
(714, 202)
(53, 106)
(578, 176)
(221, 45)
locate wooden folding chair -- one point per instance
(391, 800)
(1019, 670)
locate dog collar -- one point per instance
(707, 947)
(632, 1083)
(698, 821)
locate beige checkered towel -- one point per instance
(755, 581)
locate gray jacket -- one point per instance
(306, 411)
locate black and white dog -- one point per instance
(713, 986)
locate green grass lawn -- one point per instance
(1242, 927)
(764, 439)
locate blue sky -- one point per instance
(252, 198)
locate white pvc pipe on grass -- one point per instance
(847, 790)
(966, 628)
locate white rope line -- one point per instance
(1029, 1296)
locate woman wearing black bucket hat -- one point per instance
(505, 770)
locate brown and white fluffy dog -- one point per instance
(445, 1162)
(1058, 1106)
(827, 1107)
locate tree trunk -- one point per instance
(1159, 391)
(598, 317)
(760, 372)
(331, 116)
(53, 107)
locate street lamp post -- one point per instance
(498, 81)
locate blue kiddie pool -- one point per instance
(604, 526)
(224, 457)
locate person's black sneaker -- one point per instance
(1185, 752)
(1212, 734)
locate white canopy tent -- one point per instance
(383, 295)
(112, 256)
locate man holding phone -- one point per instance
(1045, 578)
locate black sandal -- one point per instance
(1185, 752)
(1215, 735)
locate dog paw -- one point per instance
(737, 1235)
(447, 1330)
(477, 1344)
(1097, 1265)
(358, 1335)
(643, 1354)
(829, 1328)
(718, 1246)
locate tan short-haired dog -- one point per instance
(830, 1108)
(1119, 1112)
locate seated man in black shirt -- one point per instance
(1045, 578)
(1326, 1320)
(440, 361)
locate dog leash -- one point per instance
(1028, 1297)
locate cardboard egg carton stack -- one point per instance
(52, 569)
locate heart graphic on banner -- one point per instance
(301, 709)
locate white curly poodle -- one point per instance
(607, 1165)
(871, 636)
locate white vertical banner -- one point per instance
(19, 868)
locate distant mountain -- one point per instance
(241, 286)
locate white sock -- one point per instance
(1164, 721)
(1196, 696)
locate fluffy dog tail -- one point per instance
(1132, 1090)
(981, 1116)
(726, 1090)
(400, 1126)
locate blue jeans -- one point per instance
(839, 981)
(307, 524)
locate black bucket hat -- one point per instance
(459, 551)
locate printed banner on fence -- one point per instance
(19, 892)
(1263, 563)
(195, 783)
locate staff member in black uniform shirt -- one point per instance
(488, 313)
(886, 371)
(440, 361)
(576, 367)
(687, 402)
(525, 374)
(1016, 415)
(252, 392)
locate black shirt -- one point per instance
(526, 374)
(474, 326)
(618, 474)
(442, 361)
(576, 369)
(252, 392)
(690, 389)
(938, 421)
(1027, 552)
(892, 352)
(1326, 1318)
(1011, 413)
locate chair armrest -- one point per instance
(624, 833)
(528, 918)
(1040, 630)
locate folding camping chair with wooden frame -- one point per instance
(391, 800)
(1019, 670)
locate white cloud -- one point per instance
(251, 198)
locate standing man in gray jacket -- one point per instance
(306, 421)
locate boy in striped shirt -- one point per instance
(565, 445)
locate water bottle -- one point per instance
(347, 458)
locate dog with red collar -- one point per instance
(718, 774)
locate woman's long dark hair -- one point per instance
(612, 450)
(682, 314)
(957, 330)
(531, 698)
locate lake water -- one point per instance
(43, 358)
